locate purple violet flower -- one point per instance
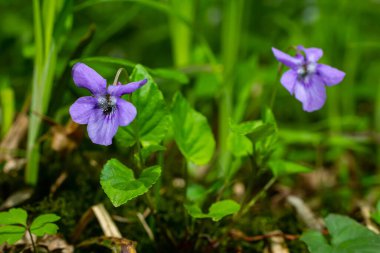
(306, 78)
(105, 110)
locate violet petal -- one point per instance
(82, 109)
(286, 59)
(119, 90)
(329, 75)
(312, 95)
(126, 112)
(86, 77)
(312, 54)
(289, 79)
(102, 128)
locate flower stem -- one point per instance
(257, 196)
(274, 92)
(115, 81)
(31, 239)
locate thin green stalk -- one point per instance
(31, 239)
(117, 76)
(377, 123)
(274, 92)
(333, 111)
(326, 29)
(350, 66)
(140, 162)
(157, 186)
(245, 208)
(30, 175)
(181, 35)
(48, 77)
(231, 34)
(38, 37)
(352, 55)
(7, 105)
(257, 197)
(49, 19)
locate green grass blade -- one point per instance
(231, 33)
(181, 35)
(7, 104)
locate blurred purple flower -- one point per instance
(306, 78)
(105, 110)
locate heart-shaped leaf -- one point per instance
(239, 145)
(43, 225)
(11, 233)
(238, 142)
(151, 122)
(347, 235)
(217, 211)
(13, 216)
(316, 242)
(120, 185)
(223, 208)
(192, 132)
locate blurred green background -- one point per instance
(175, 36)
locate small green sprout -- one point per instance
(13, 225)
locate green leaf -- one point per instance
(43, 225)
(191, 132)
(217, 210)
(64, 22)
(48, 228)
(11, 234)
(343, 229)
(262, 132)
(239, 145)
(246, 127)
(147, 151)
(120, 185)
(13, 216)
(206, 85)
(196, 193)
(347, 236)
(269, 117)
(195, 211)
(282, 168)
(151, 123)
(108, 60)
(266, 136)
(223, 208)
(7, 105)
(316, 242)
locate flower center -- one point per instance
(107, 103)
(306, 69)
